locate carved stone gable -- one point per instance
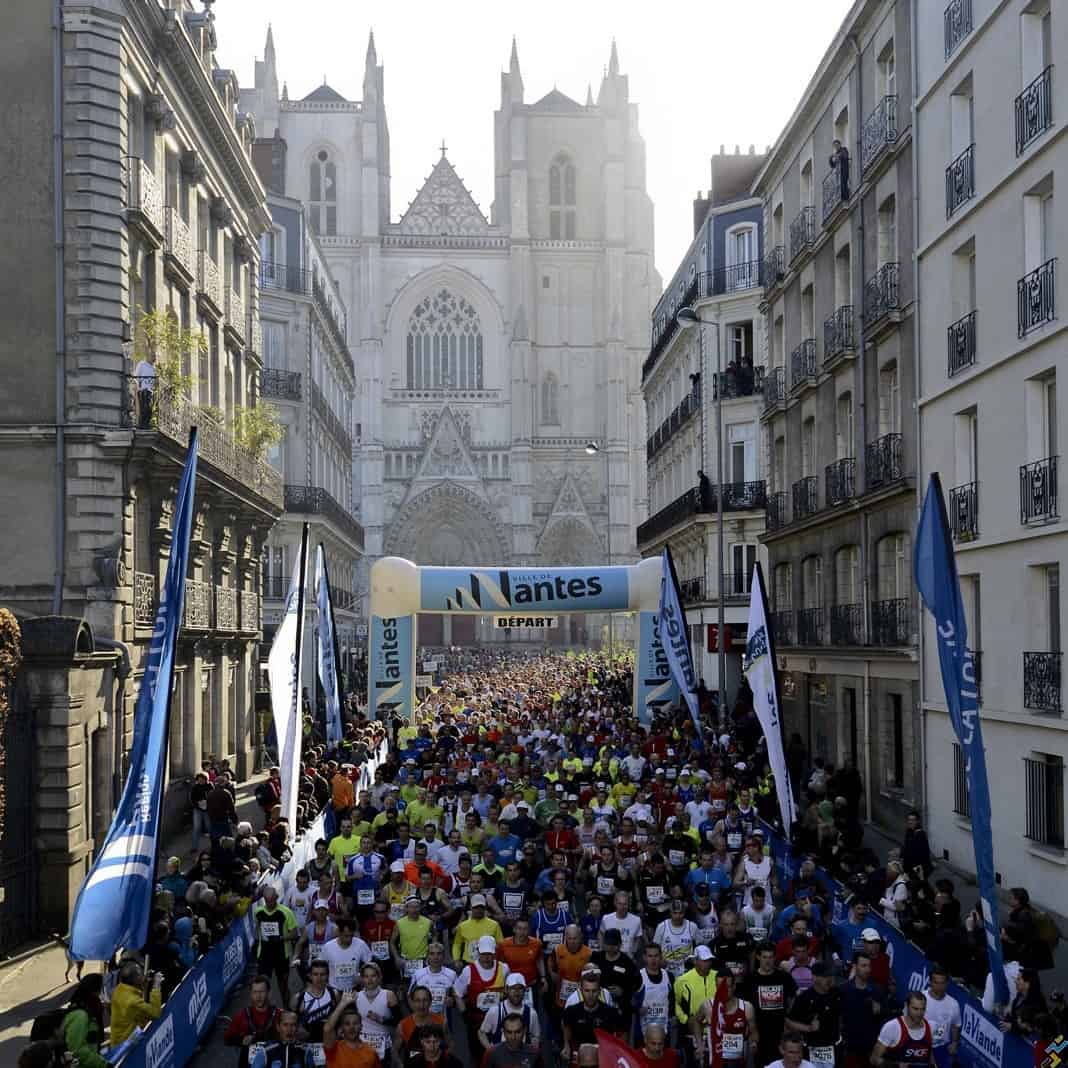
(569, 500)
(443, 206)
(446, 454)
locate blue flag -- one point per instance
(116, 898)
(328, 658)
(935, 570)
(674, 634)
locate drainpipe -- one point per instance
(119, 718)
(867, 744)
(60, 522)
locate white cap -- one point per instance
(869, 934)
(702, 953)
(397, 865)
(487, 944)
(477, 899)
(514, 978)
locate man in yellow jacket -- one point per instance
(694, 988)
(129, 1009)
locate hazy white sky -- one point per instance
(703, 74)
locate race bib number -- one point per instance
(676, 857)
(567, 988)
(365, 897)
(437, 1001)
(733, 1046)
(552, 940)
(377, 1041)
(396, 911)
(770, 998)
(705, 936)
(487, 999)
(316, 1052)
(654, 1014)
(606, 884)
(411, 967)
(734, 841)
(758, 934)
(938, 1033)
(380, 950)
(513, 903)
(346, 971)
(654, 895)
(719, 804)
(821, 1054)
(269, 930)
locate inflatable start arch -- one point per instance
(400, 590)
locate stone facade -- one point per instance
(489, 350)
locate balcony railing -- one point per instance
(145, 196)
(680, 417)
(250, 612)
(890, 622)
(957, 20)
(692, 590)
(144, 599)
(774, 266)
(208, 279)
(960, 344)
(879, 132)
(803, 364)
(964, 512)
(838, 334)
(735, 585)
(732, 278)
(802, 232)
(236, 322)
(960, 180)
(255, 332)
(174, 416)
(776, 511)
(782, 624)
(285, 385)
(775, 387)
(178, 241)
(198, 598)
(1036, 298)
(314, 500)
(847, 624)
(336, 322)
(1038, 491)
(739, 380)
(810, 626)
(884, 461)
(805, 497)
(1034, 110)
(666, 330)
(840, 479)
(284, 276)
(737, 497)
(881, 295)
(835, 192)
(743, 496)
(225, 608)
(330, 419)
(1042, 682)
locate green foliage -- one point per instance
(160, 339)
(257, 429)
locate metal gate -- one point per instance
(18, 859)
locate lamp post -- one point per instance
(687, 317)
(592, 449)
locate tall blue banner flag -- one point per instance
(116, 898)
(675, 637)
(936, 578)
(328, 658)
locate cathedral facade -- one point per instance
(499, 419)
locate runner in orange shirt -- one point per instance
(523, 954)
(567, 963)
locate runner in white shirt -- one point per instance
(626, 923)
(449, 855)
(700, 810)
(792, 1049)
(437, 978)
(758, 915)
(346, 954)
(943, 1014)
(300, 898)
(676, 936)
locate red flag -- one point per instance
(716, 1023)
(613, 1053)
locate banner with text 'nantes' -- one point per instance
(515, 589)
(391, 672)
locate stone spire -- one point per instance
(589, 95)
(613, 61)
(514, 78)
(370, 72)
(268, 48)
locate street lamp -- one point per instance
(594, 449)
(687, 317)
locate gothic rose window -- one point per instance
(444, 344)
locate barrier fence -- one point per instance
(190, 1011)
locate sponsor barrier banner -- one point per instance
(511, 589)
(654, 686)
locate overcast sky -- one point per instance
(703, 74)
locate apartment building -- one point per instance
(309, 375)
(838, 429)
(719, 278)
(992, 163)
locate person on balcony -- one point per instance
(839, 161)
(145, 376)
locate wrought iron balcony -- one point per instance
(743, 496)
(680, 417)
(847, 624)
(838, 334)
(957, 20)
(735, 585)
(776, 511)
(250, 612)
(782, 625)
(802, 232)
(314, 500)
(1036, 298)
(960, 344)
(1042, 682)
(884, 461)
(208, 287)
(803, 364)
(775, 388)
(692, 590)
(806, 497)
(144, 599)
(881, 296)
(234, 312)
(739, 380)
(964, 512)
(1034, 110)
(890, 622)
(336, 323)
(810, 626)
(330, 419)
(774, 267)
(732, 278)
(960, 180)
(285, 385)
(225, 608)
(198, 602)
(178, 244)
(284, 276)
(835, 195)
(1038, 491)
(666, 330)
(144, 205)
(737, 497)
(879, 131)
(840, 481)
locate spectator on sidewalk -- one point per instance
(222, 813)
(916, 851)
(198, 799)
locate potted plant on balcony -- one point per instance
(257, 429)
(160, 341)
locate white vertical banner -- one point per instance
(760, 671)
(284, 672)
